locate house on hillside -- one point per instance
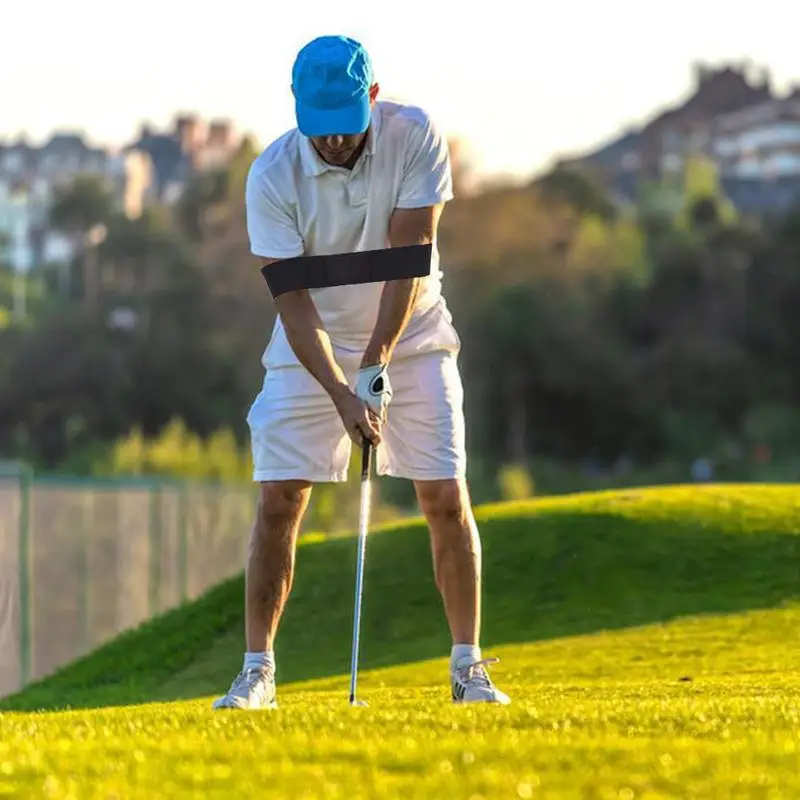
(760, 141)
(190, 146)
(172, 166)
(66, 155)
(666, 140)
(155, 167)
(734, 118)
(30, 177)
(16, 159)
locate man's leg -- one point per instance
(424, 441)
(297, 440)
(269, 574)
(456, 549)
(271, 558)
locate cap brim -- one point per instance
(345, 121)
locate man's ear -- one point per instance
(373, 92)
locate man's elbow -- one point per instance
(414, 226)
(291, 300)
(423, 233)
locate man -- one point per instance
(356, 174)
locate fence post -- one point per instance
(154, 549)
(84, 587)
(183, 541)
(25, 576)
(183, 532)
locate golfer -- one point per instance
(374, 360)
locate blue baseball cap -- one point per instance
(331, 79)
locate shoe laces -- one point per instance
(476, 672)
(248, 678)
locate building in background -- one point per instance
(24, 208)
(761, 141)
(64, 156)
(191, 146)
(220, 144)
(155, 167)
(31, 176)
(132, 177)
(734, 118)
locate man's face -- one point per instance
(344, 150)
(338, 150)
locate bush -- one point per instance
(179, 453)
(515, 483)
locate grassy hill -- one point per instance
(649, 642)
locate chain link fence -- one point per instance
(82, 561)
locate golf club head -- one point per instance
(359, 703)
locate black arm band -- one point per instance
(345, 269)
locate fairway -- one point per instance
(649, 642)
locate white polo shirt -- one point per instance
(297, 204)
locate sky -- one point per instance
(519, 88)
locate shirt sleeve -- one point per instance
(427, 178)
(271, 226)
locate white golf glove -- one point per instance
(373, 387)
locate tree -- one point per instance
(81, 210)
(214, 200)
(702, 192)
(578, 189)
(204, 192)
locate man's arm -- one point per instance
(273, 235)
(408, 226)
(425, 187)
(309, 339)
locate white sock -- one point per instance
(464, 654)
(259, 660)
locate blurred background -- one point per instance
(622, 262)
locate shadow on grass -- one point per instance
(547, 574)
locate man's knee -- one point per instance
(445, 500)
(281, 505)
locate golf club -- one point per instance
(363, 525)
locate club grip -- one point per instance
(366, 459)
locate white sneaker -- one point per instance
(251, 689)
(471, 684)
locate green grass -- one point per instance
(649, 640)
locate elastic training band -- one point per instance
(346, 269)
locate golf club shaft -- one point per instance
(363, 525)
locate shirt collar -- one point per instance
(313, 165)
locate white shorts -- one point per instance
(296, 432)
